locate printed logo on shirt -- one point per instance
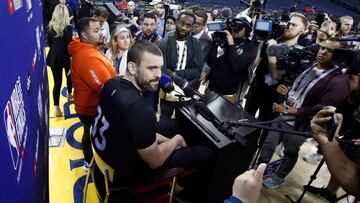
(239, 51)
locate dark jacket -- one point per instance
(228, 69)
(329, 91)
(205, 42)
(194, 62)
(58, 55)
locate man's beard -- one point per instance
(146, 85)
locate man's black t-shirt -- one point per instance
(124, 123)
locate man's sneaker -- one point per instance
(86, 166)
(273, 182)
(313, 156)
(322, 193)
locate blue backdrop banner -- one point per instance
(24, 103)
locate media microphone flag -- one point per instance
(165, 83)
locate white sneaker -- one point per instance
(312, 157)
(86, 166)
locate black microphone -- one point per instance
(278, 50)
(348, 39)
(186, 88)
(205, 112)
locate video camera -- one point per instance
(271, 28)
(348, 59)
(293, 60)
(236, 24)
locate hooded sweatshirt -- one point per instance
(90, 69)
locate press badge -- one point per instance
(290, 102)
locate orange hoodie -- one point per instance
(90, 69)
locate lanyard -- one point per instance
(304, 87)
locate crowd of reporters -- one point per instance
(282, 73)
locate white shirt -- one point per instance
(181, 64)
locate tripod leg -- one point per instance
(312, 178)
(260, 143)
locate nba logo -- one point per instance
(12, 136)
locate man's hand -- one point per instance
(230, 38)
(282, 89)
(271, 42)
(278, 107)
(160, 138)
(247, 186)
(180, 141)
(318, 122)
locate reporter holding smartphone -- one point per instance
(350, 128)
(342, 169)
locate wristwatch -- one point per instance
(286, 111)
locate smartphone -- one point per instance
(319, 18)
(332, 126)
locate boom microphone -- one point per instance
(348, 39)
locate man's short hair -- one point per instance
(101, 12)
(84, 24)
(171, 17)
(304, 20)
(186, 13)
(202, 14)
(193, 8)
(138, 49)
(131, 2)
(343, 18)
(149, 15)
(343, 44)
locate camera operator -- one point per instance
(323, 83)
(230, 64)
(262, 92)
(344, 171)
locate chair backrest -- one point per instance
(103, 166)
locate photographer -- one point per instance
(230, 62)
(323, 83)
(262, 92)
(344, 171)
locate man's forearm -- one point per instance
(341, 168)
(166, 149)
